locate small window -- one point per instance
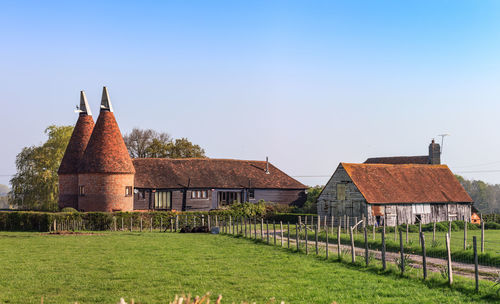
(341, 192)
(197, 194)
(128, 191)
(251, 194)
(81, 191)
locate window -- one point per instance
(128, 191)
(197, 194)
(251, 194)
(228, 197)
(341, 192)
(140, 194)
(81, 191)
(163, 200)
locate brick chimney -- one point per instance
(434, 153)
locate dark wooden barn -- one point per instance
(201, 184)
(396, 194)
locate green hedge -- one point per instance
(288, 217)
(99, 221)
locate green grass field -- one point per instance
(153, 267)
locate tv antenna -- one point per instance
(442, 140)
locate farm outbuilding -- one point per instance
(97, 174)
(394, 194)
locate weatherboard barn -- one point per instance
(396, 190)
(97, 174)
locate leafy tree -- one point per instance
(149, 143)
(486, 197)
(183, 148)
(35, 185)
(310, 205)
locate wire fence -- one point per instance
(470, 251)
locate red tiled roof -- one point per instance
(399, 160)
(77, 144)
(106, 151)
(209, 173)
(412, 183)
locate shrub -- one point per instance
(68, 209)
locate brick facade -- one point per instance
(106, 192)
(68, 191)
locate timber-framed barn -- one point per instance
(396, 190)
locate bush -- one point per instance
(68, 209)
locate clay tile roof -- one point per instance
(77, 144)
(106, 151)
(399, 160)
(209, 173)
(412, 183)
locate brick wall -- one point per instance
(105, 192)
(68, 191)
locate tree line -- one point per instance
(486, 196)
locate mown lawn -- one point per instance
(153, 267)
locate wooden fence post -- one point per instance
(419, 230)
(131, 225)
(406, 233)
(353, 252)
(367, 257)
(401, 248)
(114, 223)
(331, 225)
(476, 264)
(255, 228)
(424, 257)
(176, 223)
(297, 239)
(141, 223)
(274, 232)
(373, 232)
(267, 231)
(208, 223)
(216, 221)
(482, 236)
(326, 233)
(281, 233)
(384, 266)
(448, 249)
(338, 241)
(288, 236)
(262, 229)
(245, 220)
(306, 238)
(318, 223)
(161, 223)
(151, 224)
(122, 224)
(465, 234)
(316, 237)
(434, 231)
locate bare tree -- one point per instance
(138, 141)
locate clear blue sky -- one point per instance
(309, 84)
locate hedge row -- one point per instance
(100, 221)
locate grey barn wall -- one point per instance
(355, 206)
(280, 196)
